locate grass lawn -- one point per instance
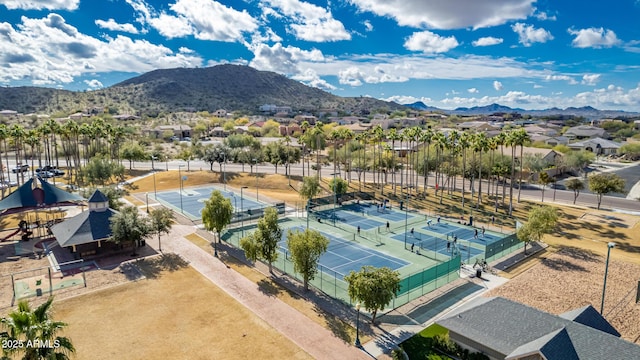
(339, 328)
(174, 315)
(419, 346)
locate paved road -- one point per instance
(532, 192)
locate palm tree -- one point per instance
(481, 144)
(18, 134)
(463, 144)
(347, 135)
(318, 143)
(335, 137)
(425, 138)
(393, 135)
(501, 141)
(303, 140)
(4, 135)
(521, 137)
(33, 140)
(35, 326)
(440, 142)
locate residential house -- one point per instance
(308, 118)
(358, 128)
(506, 330)
(219, 132)
(550, 140)
(636, 124)
(476, 126)
(221, 113)
(289, 130)
(180, 131)
(582, 132)
(597, 146)
(538, 130)
(126, 117)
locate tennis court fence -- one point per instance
(332, 283)
(502, 247)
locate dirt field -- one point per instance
(572, 278)
(177, 315)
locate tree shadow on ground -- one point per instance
(153, 267)
(267, 287)
(558, 264)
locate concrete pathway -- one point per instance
(319, 342)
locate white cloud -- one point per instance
(93, 84)
(536, 86)
(528, 35)
(473, 90)
(351, 76)
(185, 50)
(171, 26)
(594, 38)
(487, 41)
(544, 16)
(50, 51)
(41, 4)
(112, 25)
(282, 59)
(497, 85)
(407, 99)
(451, 14)
(590, 79)
(430, 43)
(367, 25)
(557, 77)
(308, 21)
(311, 78)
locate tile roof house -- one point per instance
(507, 330)
(597, 146)
(586, 132)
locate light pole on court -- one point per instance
(256, 161)
(610, 246)
(180, 175)
(242, 210)
(406, 218)
(335, 196)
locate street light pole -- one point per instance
(224, 171)
(610, 246)
(406, 219)
(242, 210)
(357, 342)
(147, 196)
(180, 175)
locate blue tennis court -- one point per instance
(431, 243)
(192, 200)
(379, 211)
(343, 256)
(463, 232)
(349, 218)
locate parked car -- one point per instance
(52, 169)
(20, 168)
(46, 174)
(174, 138)
(7, 184)
(557, 186)
(186, 138)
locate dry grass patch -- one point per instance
(339, 328)
(179, 315)
(572, 278)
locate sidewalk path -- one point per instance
(319, 342)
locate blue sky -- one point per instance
(521, 53)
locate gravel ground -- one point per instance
(572, 278)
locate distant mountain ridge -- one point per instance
(588, 112)
(229, 87)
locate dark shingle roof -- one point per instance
(506, 326)
(98, 196)
(590, 317)
(84, 228)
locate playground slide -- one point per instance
(10, 235)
